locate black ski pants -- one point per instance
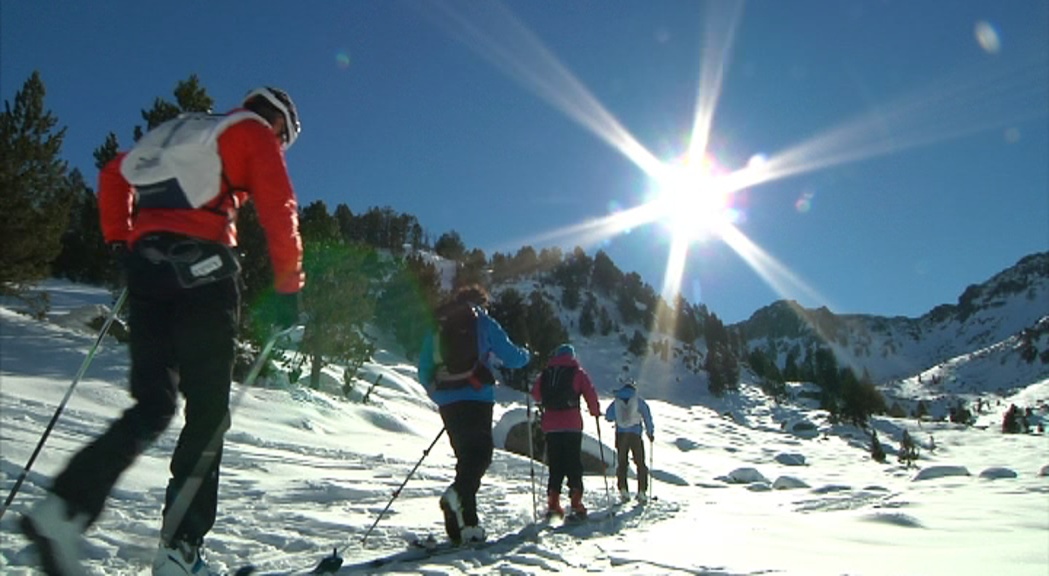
(564, 458)
(181, 340)
(628, 444)
(469, 427)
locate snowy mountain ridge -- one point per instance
(994, 341)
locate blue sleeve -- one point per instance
(426, 366)
(646, 414)
(610, 412)
(494, 339)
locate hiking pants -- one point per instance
(469, 427)
(181, 340)
(629, 443)
(564, 458)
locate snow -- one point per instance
(307, 471)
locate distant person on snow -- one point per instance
(629, 411)
(176, 236)
(557, 390)
(456, 365)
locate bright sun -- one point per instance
(692, 201)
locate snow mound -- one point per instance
(998, 472)
(790, 459)
(788, 483)
(744, 476)
(933, 472)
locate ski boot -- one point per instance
(578, 510)
(452, 507)
(553, 505)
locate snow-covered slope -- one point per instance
(306, 471)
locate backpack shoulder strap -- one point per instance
(231, 190)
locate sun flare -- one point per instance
(692, 201)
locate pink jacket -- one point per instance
(569, 420)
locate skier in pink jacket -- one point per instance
(557, 391)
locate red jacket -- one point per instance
(254, 163)
(568, 420)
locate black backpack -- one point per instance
(456, 355)
(555, 386)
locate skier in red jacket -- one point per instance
(182, 282)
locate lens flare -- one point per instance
(342, 60)
(987, 37)
(804, 202)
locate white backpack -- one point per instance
(177, 164)
(628, 412)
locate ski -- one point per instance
(422, 549)
(329, 565)
(417, 551)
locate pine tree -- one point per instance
(508, 308)
(571, 296)
(500, 267)
(877, 452)
(408, 300)
(347, 223)
(686, 325)
(190, 96)
(450, 246)
(316, 224)
(908, 451)
(84, 257)
(35, 194)
(107, 151)
(550, 259)
(544, 328)
(256, 271)
(338, 302)
(860, 399)
(525, 262)
(587, 323)
(638, 344)
(472, 268)
(606, 277)
(574, 270)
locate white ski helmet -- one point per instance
(282, 103)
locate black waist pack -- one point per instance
(196, 262)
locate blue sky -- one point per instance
(898, 151)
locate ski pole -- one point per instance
(604, 465)
(180, 504)
(651, 467)
(69, 393)
(531, 456)
(397, 492)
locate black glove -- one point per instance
(651, 437)
(285, 310)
